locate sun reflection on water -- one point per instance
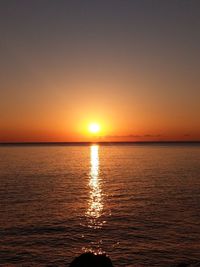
(95, 204)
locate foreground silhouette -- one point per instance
(91, 260)
(101, 260)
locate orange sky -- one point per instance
(128, 69)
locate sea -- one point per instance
(138, 203)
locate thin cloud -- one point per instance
(133, 136)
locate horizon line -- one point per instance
(99, 142)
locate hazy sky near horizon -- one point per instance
(132, 65)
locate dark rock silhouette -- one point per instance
(101, 260)
(91, 260)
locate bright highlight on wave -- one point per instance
(95, 206)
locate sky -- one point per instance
(133, 66)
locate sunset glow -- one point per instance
(107, 74)
(94, 128)
(100, 132)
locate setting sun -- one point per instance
(94, 128)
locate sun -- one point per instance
(94, 128)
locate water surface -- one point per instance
(138, 203)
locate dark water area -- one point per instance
(138, 203)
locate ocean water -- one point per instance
(138, 203)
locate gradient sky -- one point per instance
(132, 65)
